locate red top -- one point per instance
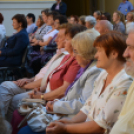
(66, 71)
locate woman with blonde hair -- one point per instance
(129, 22)
(119, 20)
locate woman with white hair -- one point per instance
(90, 22)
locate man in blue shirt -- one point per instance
(125, 7)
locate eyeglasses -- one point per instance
(75, 52)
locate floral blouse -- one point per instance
(105, 108)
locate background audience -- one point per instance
(30, 23)
(12, 53)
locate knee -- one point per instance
(7, 84)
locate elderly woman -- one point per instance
(78, 91)
(119, 22)
(90, 22)
(12, 53)
(55, 83)
(102, 108)
(40, 25)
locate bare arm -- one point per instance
(90, 127)
(32, 85)
(57, 93)
(78, 118)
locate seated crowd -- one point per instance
(83, 70)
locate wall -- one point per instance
(11, 7)
(112, 5)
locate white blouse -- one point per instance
(105, 108)
(129, 27)
(50, 34)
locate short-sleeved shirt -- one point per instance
(105, 108)
(30, 28)
(120, 27)
(50, 34)
(125, 7)
(66, 71)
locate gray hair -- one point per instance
(91, 20)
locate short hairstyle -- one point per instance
(83, 42)
(98, 12)
(1, 18)
(73, 29)
(112, 41)
(45, 11)
(53, 14)
(82, 19)
(122, 16)
(31, 15)
(132, 13)
(76, 18)
(41, 23)
(107, 15)
(21, 19)
(91, 20)
(107, 24)
(62, 19)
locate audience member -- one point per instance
(82, 20)
(103, 26)
(39, 24)
(125, 124)
(70, 32)
(60, 7)
(119, 20)
(39, 45)
(97, 15)
(2, 27)
(101, 110)
(73, 19)
(125, 7)
(30, 23)
(130, 22)
(12, 53)
(90, 22)
(13, 88)
(106, 16)
(78, 91)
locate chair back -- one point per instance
(24, 57)
(3, 42)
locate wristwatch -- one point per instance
(42, 96)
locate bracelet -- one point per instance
(42, 96)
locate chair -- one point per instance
(16, 69)
(3, 42)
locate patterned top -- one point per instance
(105, 108)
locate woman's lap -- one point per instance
(27, 130)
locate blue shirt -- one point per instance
(125, 7)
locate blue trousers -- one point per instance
(27, 130)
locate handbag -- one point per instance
(39, 119)
(27, 105)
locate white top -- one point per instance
(2, 35)
(105, 108)
(50, 34)
(2, 27)
(30, 28)
(129, 27)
